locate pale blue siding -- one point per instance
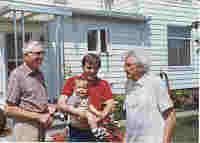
(151, 35)
(126, 33)
(164, 13)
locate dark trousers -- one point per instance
(80, 135)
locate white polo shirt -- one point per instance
(146, 99)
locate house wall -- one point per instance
(125, 34)
(151, 35)
(4, 29)
(196, 5)
(129, 34)
(164, 13)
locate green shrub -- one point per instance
(182, 98)
(119, 113)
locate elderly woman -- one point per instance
(149, 109)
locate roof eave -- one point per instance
(111, 14)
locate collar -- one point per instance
(82, 76)
(143, 79)
(28, 70)
(90, 82)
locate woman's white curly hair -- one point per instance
(140, 57)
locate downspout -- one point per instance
(59, 54)
(108, 9)
(22, 29)
(198, 68)
(15, 37)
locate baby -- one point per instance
(80, 100)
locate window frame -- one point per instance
(10, 52)
(98, 43)
(184, 38)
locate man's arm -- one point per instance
(94, 110)
(13, 99)
(170, 123)
(109, 105)
(19, 113)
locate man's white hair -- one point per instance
(28, 47)
(140, 57)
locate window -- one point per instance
(179, 46)
(92, 40)
(98, 40)
(11, 49)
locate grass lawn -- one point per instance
(187, 130)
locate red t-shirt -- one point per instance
(98, 93)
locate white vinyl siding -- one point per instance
(127, 34)
(122, 36)
(164, 13)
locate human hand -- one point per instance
(96, 112)
(91, 116)
(100, 115)
(52, 108)
(46, 120)
(115, 103)
(92, 119)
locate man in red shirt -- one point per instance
(99, 93)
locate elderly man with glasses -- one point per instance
(27, 99)
(149, 109)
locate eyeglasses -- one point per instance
(130, 65)
(42, 53)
